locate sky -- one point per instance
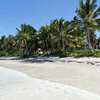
(36, 13)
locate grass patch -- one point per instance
(84, 53)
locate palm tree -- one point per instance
(66, 36)
(25, 35)
(89, 19)
(98, 43)
(11, 44)
(3, 41)
(45, 38)
(52, 36)
(59, 29)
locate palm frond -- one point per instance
(81, 4)
(97, 13)
(97, 21)
(87, 6)
(97, 27)
(81, 13)
(93, 5)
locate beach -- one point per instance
(80, 74)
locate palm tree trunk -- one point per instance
(89, 43)
(25, 51)
(64, 48)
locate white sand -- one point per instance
(17, 86)
(60, 70)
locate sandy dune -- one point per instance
(17, 86)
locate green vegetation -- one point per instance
(88, 14)
(59, 38)
(84, 53)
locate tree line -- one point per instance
(59, 37)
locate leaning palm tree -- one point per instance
(89, 18)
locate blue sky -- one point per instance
(13, 13)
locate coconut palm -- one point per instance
(89, 18)
(25, 35)
(59, 30)
(3, 41)
(11, 44)
(65, 35)
(45, 38)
